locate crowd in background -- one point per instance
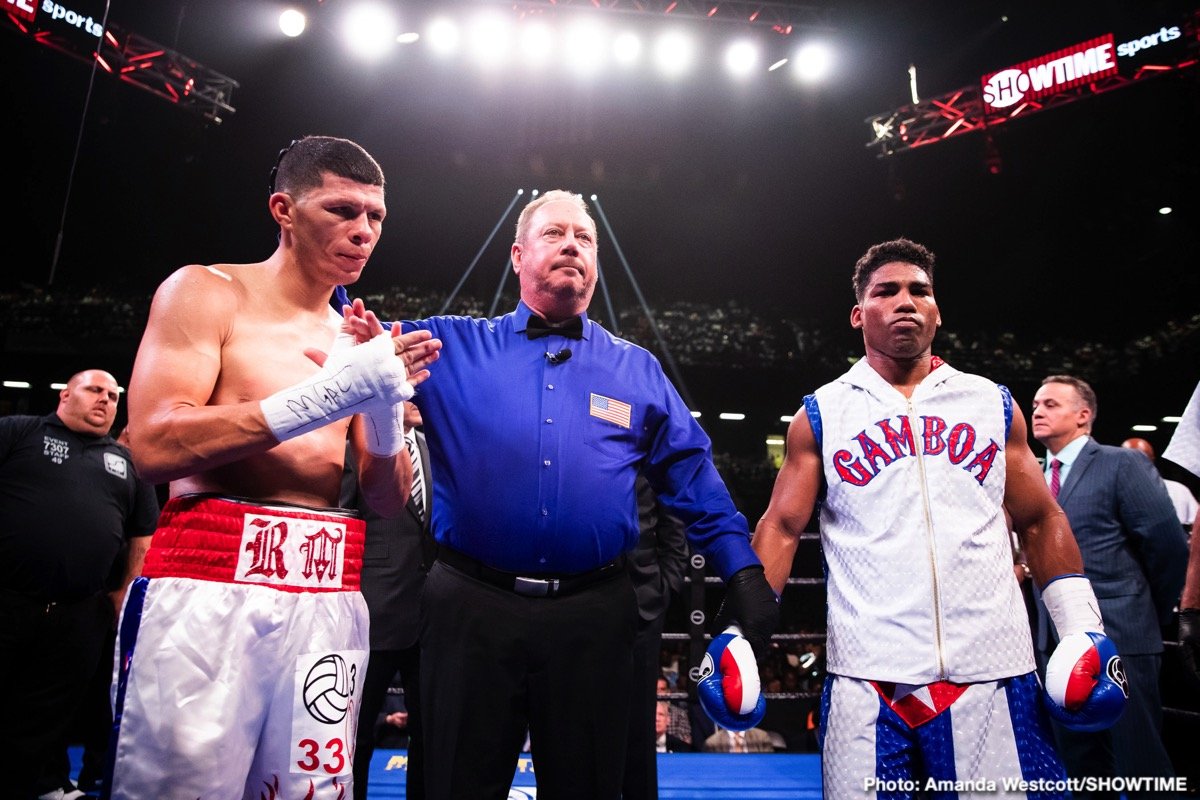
(696, 334)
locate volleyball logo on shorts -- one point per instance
(328, 688)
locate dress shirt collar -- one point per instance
(523, 313)
(1068, 454)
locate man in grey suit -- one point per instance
(396, 556)
(1134, 554)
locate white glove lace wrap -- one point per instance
(1072, 605)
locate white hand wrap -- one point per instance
(1072, 605)
(368, 378)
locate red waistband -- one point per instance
(287, 548)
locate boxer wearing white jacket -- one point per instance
(930, 660)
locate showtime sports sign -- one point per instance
(1049, 74)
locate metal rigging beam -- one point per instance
(779, 16)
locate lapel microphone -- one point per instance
(560, 357)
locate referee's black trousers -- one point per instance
(495, 664)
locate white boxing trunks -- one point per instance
(943, 740)
(241, 656)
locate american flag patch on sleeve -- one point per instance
(611, 410)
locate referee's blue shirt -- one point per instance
(534, 463)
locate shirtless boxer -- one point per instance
(242, 648)
(930, 659)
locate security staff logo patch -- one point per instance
(116, 465)
(56, 450)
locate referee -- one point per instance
(538, 423)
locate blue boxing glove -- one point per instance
(1086, 687)
(1085, 682)
(728, 685)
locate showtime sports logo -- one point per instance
(56, 14)
(1049, 74)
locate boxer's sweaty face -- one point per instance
(898, 314)
(337, 226)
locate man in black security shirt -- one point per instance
(70, 498)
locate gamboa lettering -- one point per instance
(938, 438)
(72, 18)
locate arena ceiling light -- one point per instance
(536, 44)
(627, 49)
(741, 58)
(292, 22)
(1145, 428)
(1172, 419)
(369, 30)
(732, 416)
(16, 384)
(489, 39)
(812, 62)
(443, 36)
(674, 53)
(586, 44)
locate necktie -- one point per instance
(537, 327)
(417, 495)
(1055, 481)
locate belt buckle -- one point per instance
(535, 587)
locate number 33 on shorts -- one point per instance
(328, 689)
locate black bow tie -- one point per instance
(537, 327)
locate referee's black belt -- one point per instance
(537, 585)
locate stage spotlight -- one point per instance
(585, 43)
(627, 49)
(369, 30)
(292, 22)
(1165, 210)
(408, 37)
(812, 62)
(741, 58)
(490, 40)
(443, 36)
(536, 44)
(673, 53)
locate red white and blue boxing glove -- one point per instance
(1086, 688)
(728, 685)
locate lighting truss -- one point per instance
(780, 17)
(147, 65)
(166, 73)
(963, 111)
